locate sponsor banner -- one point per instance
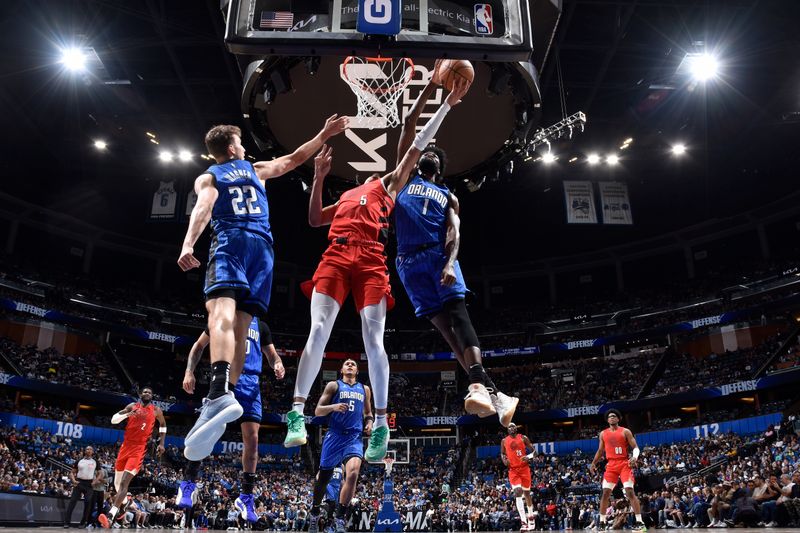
(615, 202)
(579, 198)
(411, 521)
(113, 436)
(36, 509)
(744, 426)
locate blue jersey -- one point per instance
(354, 396)
(242, 201)
(252, 354)
(420, 215)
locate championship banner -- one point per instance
(165, 201)
(579, 198)
(615, 202)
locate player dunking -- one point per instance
(232, 195)
(141, 417)
(615, 442)
(348, 403)
(514, 453)
(355, 261)
(247, 392)
(427, 227)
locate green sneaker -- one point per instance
(296, 433)
(378, 442)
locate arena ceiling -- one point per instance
(165, 70)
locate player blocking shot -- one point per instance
(231, 194)
(514, 454)
(347, 403)
(615, 443)
(355, 262)
(247, 392)
(141, 417)
(427, 225)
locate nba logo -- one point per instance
(483, 19)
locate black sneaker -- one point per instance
(639, 526)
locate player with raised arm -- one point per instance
(615, 442)
(141, 417)
(232, 195)
(247, 392)
(348, 403)
(355, 261)
(514, 453)
(427, 224)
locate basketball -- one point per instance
(451, 69)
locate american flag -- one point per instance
(276, 19)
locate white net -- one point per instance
(388, 464)
(377, 83)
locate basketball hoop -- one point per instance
(377, 83)
(389, 463)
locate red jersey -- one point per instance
(615, 443)
(140, 424)
(363, 213)
(515, 451)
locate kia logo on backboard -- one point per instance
(483, 19)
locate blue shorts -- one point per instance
(248, 393)
(241, 261)
(338, 448)
(421, 274)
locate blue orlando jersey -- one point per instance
(252, 354)
(242, 201)
(353, 419)
(420, 214)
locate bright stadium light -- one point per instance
(165, 156)
(703, 67)
(612, 159)
(185, 156)
(593, 159)
(73, 59)
(678, 149)
(548, 157)
(100, 144)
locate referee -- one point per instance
(82, 476)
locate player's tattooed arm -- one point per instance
(195, 354)
(201, 214)
(598, 455)
(278, 167)
(410, 122)
(452, 242)
(368, 418)
(324, 405)
(162, 430)
(317, 215)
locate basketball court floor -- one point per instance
(40, 529)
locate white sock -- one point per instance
(373, 320)
(602, 519)
(639, 518)
(298, 407)
(521, 509)
(113, 511)
(380, 420)
(323, 314)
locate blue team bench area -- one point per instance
(96, 435)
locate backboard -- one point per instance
(487, 30)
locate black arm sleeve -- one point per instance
(264, 333)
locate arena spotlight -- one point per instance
(678, 149)
(73, 59)
(703, 67)
(593, 159)
(100, 144)
(165, 156)
(562, 129)
(612, 159)
(548, 157)
(185, 156)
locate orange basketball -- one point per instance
(452, 69)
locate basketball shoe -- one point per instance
(505, 406)
(214, 417)
(296, 430)
(478, 402)
(245, 504)
(378, 442)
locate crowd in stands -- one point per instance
(601, 380)
(687, 372)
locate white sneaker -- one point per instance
(505, 406)
(771, 524)
(214, 417)
(478, 401)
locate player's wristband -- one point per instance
(370, 418)
(162, 429)
(529, 456)
(635, 453)
(426, 135)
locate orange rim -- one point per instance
(380, 90)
